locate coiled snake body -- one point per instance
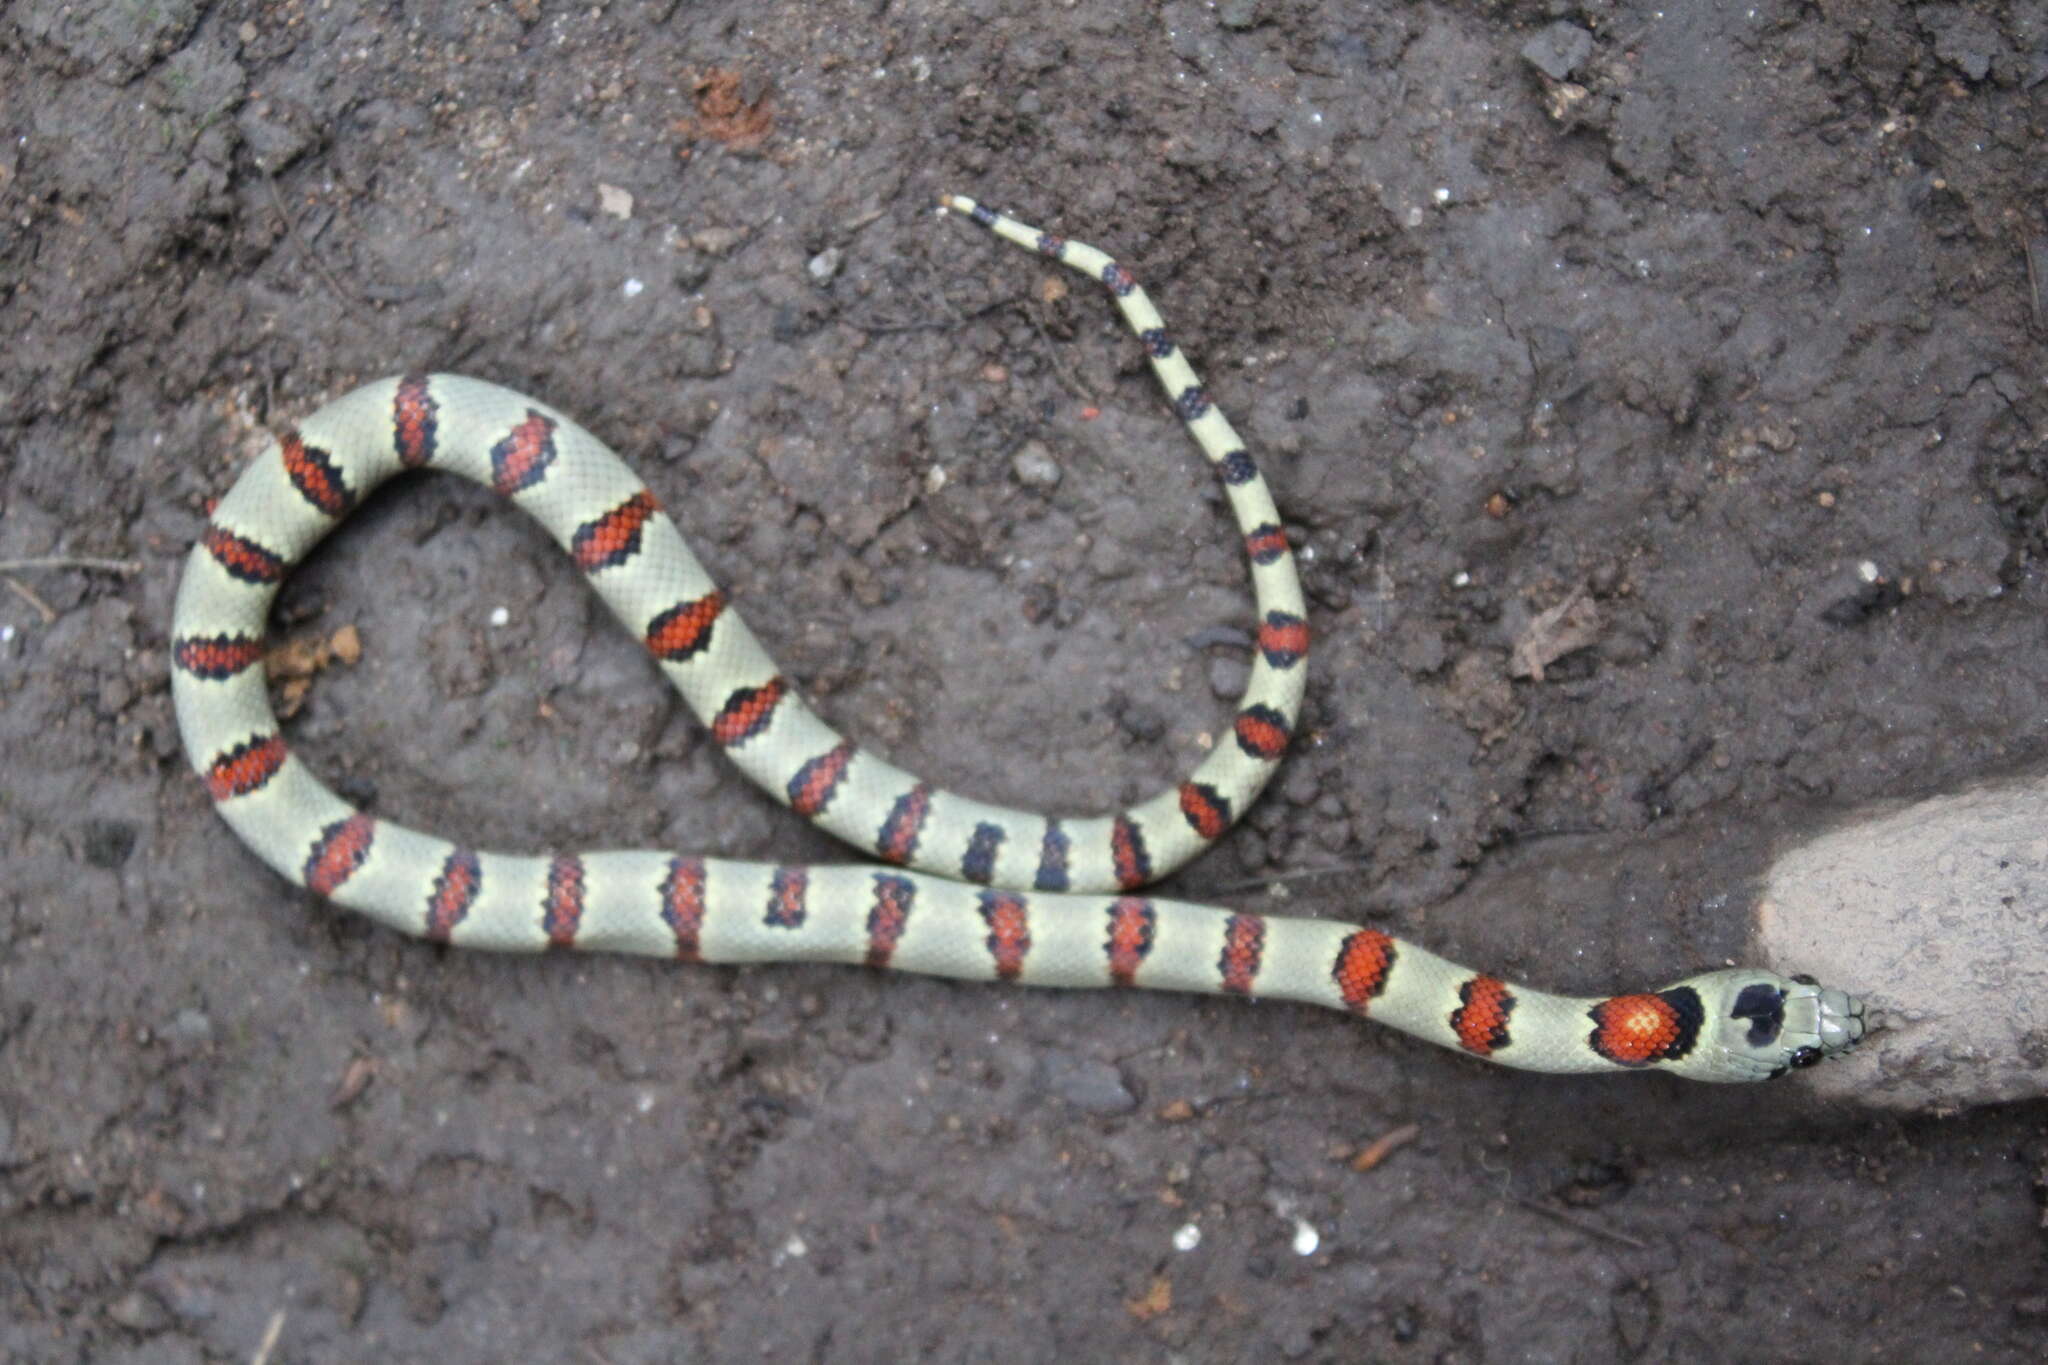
(964, 889)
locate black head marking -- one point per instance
(1764, 1006)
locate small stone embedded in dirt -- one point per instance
(1958, 582)
(1035, 467)
(1634, 1317)
(1229, 676)
(717, 240)
(356, 790)
(615, 201)
(1142, 723)
(191, 1026)
(1238, 15)
(692, 269)
(274, 142)
(1558, 50)
(824, 266)
(1220, 637)
(1251, 851)
(108, 842)
(1420, 648)
(699, 355)
(1481, 697)
(1962, 38)
(138, 1310)
(1089, 1085)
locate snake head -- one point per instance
(1769, 1024)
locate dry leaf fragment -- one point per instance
(1570, 625)
(728, 111)
(355, 1079)
(293, 664)
(1154, 1301)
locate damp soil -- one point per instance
(1711, 324)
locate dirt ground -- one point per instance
(1717, 316)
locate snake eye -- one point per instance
(1806, 1056)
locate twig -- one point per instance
(1591, 1229)
(954, 318)
(1306, 874)
(1052, 356)
(1385, 1145)
(291, 226)
(269, 1343)
(2035, 249)
(21, 590)
(72, 562)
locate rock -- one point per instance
(1092, 1086)
(692, 268)
(717, 240)
(1238, 15)
(139, 1311)
(1035, 467)
(825, 265)
(108, 842)
(1964, 39)
(1558, 50)
(1930, 912)
(1229, 675)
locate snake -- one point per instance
(956, 887)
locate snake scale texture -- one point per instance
(961, 889)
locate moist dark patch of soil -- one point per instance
(1716, 319)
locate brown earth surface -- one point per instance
(1717, 317)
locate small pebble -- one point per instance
(1035, 467)
(825, 265)
(692, 268)
(1238, 15)
(717, 241)
(1229, 676)
(139, 1311)
(108, 842)
(1558, 50)
(1143, 723)
(1089, 1085)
